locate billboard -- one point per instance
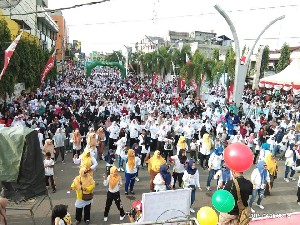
(77, 46)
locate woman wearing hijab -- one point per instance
(76, 140)
(181, 144)
(114, 182)
(113, 135)
(60, 215)
(259, 177)
(179, 164)
(131, 168)
(223, 176)
(163, 180)
(273, 169)
(291, 156)
(191, 180)
(101, 142)
(206, 146)
(83, 184)
(49, 147)
(154, 164)
(214, 162)
(86, 160)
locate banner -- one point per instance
(9, 53)
(154, 79)
(48, 67)
(181, 83)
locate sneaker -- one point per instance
(260, 206)
(208, 188)
(252, 210)
(122, 217)
(132, 193)
(298, 203)
(87, 222)
(119, 169)
(286, 180)
(105, 219)
(137, 179)
(126, 193)
(192, 210)
(54, 190)
(292, 178)
(122, 169)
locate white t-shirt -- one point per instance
(48, 170)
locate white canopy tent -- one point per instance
(287, 79)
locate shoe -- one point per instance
(192, 210)
(286, 180)
(122, 169)
(119, 169)
(137, 179)
(126, 193)
(53, 191)
(132, 193)
(292, 178)
(122, 217)
(105, 219)
(298, 203)
(87, 222)
(63, 162)
(252, 210)
(260, 206)
(208, 188)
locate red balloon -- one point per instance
(238, 157)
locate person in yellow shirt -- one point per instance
(154, 164)
(86, 160)
(273, 169)
(84, 185)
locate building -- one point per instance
(149, 44)
(37, 24)
(62, 37)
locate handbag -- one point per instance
(244, 216)
(86, 197)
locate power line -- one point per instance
(183, 16)
(59, 9)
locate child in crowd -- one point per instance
(49, 171)
(110, 159)
(194, 147)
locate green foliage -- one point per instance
(116, 56)
(244, 50)
(216, 54)
(284, 59)
(26, 64)
(264, 61)
(229, 64)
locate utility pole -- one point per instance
(241, 70)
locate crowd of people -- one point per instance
(131, 123)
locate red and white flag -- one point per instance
(154, 79)
(230, 92)
(48, 67)
(9, 52)
(244, 58)
(181, 83)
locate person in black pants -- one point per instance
(114, 182)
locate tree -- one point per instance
(284, 59)
(264, 61)
(216, 54)
(244, 50)
(229, 64)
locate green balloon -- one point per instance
(223, 201)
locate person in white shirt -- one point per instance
(205, 148)
(121, 146)
(214, 163)
(291, 156)
(191, 180)
(188, 132)
(131, 169)
(259, 177)
(114, 182)
(223, 176)
(59, 144)
(49, 171)
(40, 137)
(178, 168)
(265, 150)
(133, 132)
(163, 180)
(153, 133)
(113, 130)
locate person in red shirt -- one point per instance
(243, 130)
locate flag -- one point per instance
(181, 83)
(230, 92)
(154, 79)
(9, 53)
(48, 67)
(187, 58)
(243, 58)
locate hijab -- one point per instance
(155, 162)
(271, 164)
(207, 141)
(131, 159)
(83, 180)
(114, 178)
(165, 174)
(189, 168)
(182, 143)
(262, 171)
(218, 151)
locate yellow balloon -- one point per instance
(207, 216)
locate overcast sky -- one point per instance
(110, 25)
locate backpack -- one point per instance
(244, 217)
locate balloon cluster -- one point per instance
(238, 157)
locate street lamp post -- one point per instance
(241, 70)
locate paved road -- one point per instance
(282, 200)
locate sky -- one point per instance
(111, 25)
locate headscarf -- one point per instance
(114, 177)
(218, 151)
(189, 168)
(182, 158)
(207, 141)
(101, 133)
(91, 139)
(181, 142)
(86, 161)
(131, 159)
(226, 174)
(271, 164)
(155, 162)
(262, 170)
(83, 180)
(165, 174)
(265, 146)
